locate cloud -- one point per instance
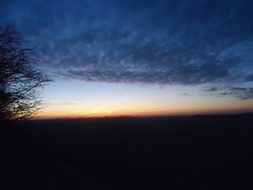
(249, 78)
(162, 42)
(213, 89)
(243, 93)
(185, 94)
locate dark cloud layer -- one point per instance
(164, 41)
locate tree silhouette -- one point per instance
(20, 82)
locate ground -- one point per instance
(190, 152)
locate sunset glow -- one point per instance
(133, 100)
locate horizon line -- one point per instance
(146, 116)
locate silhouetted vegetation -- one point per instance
(20, 81)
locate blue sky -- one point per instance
(199, 50)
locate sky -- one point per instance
(139, 57)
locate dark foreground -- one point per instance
(200, 152)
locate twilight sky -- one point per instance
(140, 57)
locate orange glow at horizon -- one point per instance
(104, 111)
(88, 99)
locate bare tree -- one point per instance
(20, 82)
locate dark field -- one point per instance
(197, 152)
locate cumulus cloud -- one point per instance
(163, 42)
